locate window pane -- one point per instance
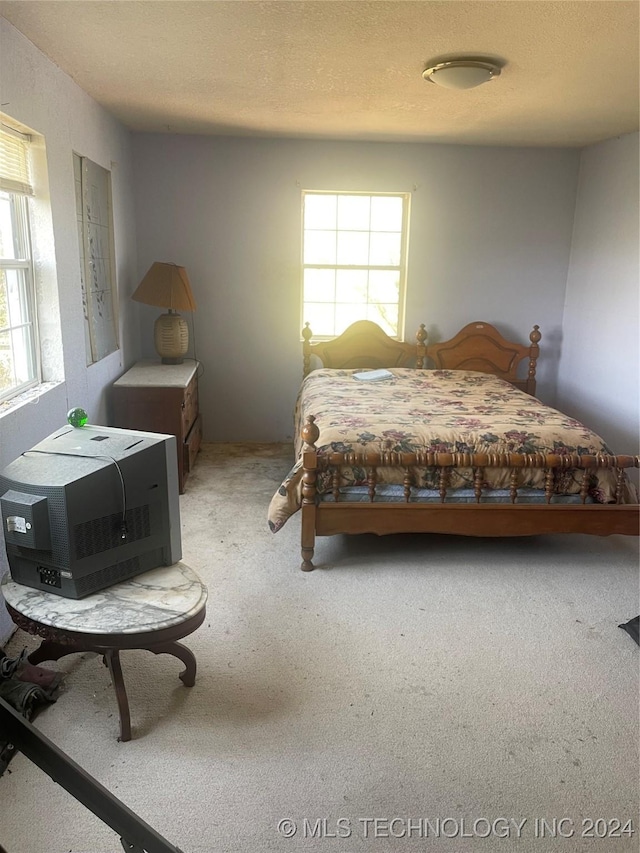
(354, 212)
(346, 314)
(7, 241)
(385, 249)
(386, 316)
(17, 299)
(98, 240)
(23, 368)
(99, 271)
(351, 285)
(319, 247)
(319, 286)
(4, 305)
(386, 213)
(7, 380)
(320, 211)
(353, 247)
(384, 286)
(320, 317)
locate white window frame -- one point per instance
(401, 268)
(15, 184)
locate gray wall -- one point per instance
(37, 93)
(598, 377)
(490, 238)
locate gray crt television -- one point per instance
(89, 507)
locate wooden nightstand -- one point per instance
(157, 397)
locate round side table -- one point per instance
(151, 611)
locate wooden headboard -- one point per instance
(364, 344)
(479, 346)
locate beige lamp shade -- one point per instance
(167, 286)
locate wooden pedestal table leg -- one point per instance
(50, 650)
(188, 677)
(112, 660)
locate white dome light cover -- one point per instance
(461, 73)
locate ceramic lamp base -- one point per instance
(171, 338)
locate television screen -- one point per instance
(91, 506)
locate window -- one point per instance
(354, 250)
(97, 263)
(19, 364)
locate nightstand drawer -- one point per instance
(192, 444)
(189, 407)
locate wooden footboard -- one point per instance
(470, 519)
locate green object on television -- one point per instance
(77, 417)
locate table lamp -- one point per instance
(167, 286)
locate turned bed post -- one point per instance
(534, 352)
(310, 434)
(421, 346)
(307, 334)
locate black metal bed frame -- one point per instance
(136, 836)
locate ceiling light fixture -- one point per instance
(461, 73)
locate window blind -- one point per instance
(15, 172)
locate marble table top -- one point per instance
(151, 601)
(151, 373)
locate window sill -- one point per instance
(32, 395)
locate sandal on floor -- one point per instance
(21, 669)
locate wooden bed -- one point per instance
(477, 347)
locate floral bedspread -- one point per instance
(434, 410)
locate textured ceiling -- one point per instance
(349, 70)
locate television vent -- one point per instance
(107, 577)
(103, 534)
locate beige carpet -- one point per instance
(443, 686)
